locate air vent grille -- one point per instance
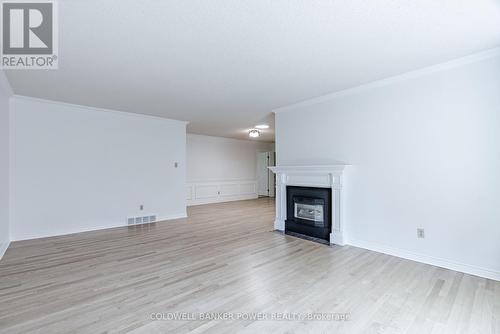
(141, 220)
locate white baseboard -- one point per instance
(172, 217)
(159, 219)
(222, 199)
(427, 259)
(3, 248)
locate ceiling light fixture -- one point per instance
(254, 133)
(262, 126)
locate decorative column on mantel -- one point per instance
(323, 176)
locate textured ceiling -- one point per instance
(224, 65)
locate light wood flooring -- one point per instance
(226, 258)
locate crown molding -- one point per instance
(255, 140)
(89, 108)
(477, 57)
(5, 84)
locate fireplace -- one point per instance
(318, 192)
(309, 212)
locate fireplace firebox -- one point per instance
(309, 212)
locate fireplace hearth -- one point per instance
(309, 212)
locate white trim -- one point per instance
(89, 108)
(254, 140)
(309, 169)
(322, 176)
(193, 181)
(170, 217)
(222, 200)
(4, 82)
(394, 79)
(3, 248)
(81, 230)
(427, 259)
(217, 191)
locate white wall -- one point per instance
(5, 93)
(425, 153)
(76, 169)
(221, 169)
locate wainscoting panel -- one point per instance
(248, 188)
(231, 189)
(189, 193)
(205, 192)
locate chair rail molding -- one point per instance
(320, 176)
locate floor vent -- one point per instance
(141, 220)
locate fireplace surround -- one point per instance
(323, 176)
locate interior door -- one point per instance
(262, 173)
(271, 176)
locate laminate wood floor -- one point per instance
(226, 258)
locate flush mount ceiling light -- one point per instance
(262, 126)
(254, 133)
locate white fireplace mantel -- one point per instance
(321, 176)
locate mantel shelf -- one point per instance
(312, 168)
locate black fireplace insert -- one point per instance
(309, 211)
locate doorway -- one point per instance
(265, 178)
